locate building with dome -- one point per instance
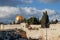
(18, 19)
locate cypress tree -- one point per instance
(45, 20)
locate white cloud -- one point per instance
(49, 1)
(49, 11)
(7, 11)
(27, 1)
(30, 10)
(54, 17)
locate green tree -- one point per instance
(54, 22)
(45, 20)
(33, 20)
(25, 20)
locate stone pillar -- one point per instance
(1, 27)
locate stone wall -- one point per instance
(51, 33)
(14, 26)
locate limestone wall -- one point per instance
(52, 33)
(18, 26)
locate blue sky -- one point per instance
(27, 8)
(39, 5)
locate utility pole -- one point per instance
(46, 34)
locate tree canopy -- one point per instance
(33, 20)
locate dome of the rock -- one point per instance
(19, 18)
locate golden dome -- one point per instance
(19, 18)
